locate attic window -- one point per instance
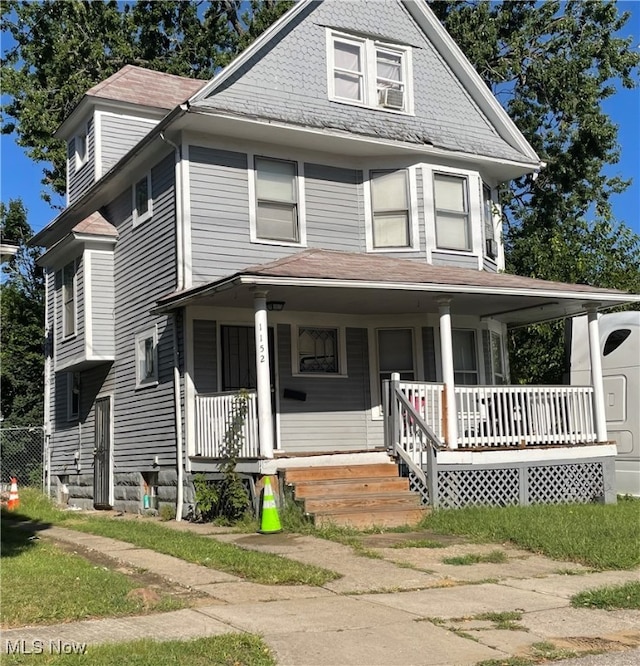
(369, 73)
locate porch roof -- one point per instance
(354, 283)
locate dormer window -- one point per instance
(81, 147)
(369, 73)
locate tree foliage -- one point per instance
(61, 49)
(551, 64)
(22, 318)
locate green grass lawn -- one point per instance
(610, 598)
(597, 535)
(255, 566)
(226, 650)
(42, 584)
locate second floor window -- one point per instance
(452, 212)
(69, 300)
(142, 203)
(491, 245)
(81, 148)
(147, 358)
(390, 209)
(277, 200)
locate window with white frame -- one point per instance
(498, 366)
(147, 358)
(73, 395)
(142, 201)
(69, 299)
(451, 197)
(277, 216)
(81, 148)
(369, 72)
(391, 226)
(318, 350)
(395, 353)
(465, 357)
(491, 246)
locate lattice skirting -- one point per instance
(523, 483)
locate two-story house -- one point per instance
(319, 225)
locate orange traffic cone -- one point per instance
(14, 500)
(270, 520)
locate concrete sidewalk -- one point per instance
(405, 608)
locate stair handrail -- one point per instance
(400, 402)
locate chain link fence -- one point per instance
(22, 456)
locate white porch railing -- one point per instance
(427, 400)
(524, 415)
(214, 415)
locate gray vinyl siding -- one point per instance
(333, 417)
(119, 134)
(71, 348)
(287, 81)
(82, 179)
(102, 304)
(220, 232)
(205, 362)
(145, 270)
(65, 435)
(457, 260)
(489, 265)
(334, 209)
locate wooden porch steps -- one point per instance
(360, 496)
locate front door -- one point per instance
(102, 455)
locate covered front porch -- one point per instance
(438, 410)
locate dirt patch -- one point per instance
(146, 580)
(612, 643)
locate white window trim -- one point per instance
(140, 338)
(253, 201)
(71, 415)
(479, 353)
(370, 92)
(414, 226)
(476, 233)
(148, 214)
(81, 160)
(74, 332)
(342, 352)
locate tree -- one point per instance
(22, 321)
(61, 49)
(552, 64)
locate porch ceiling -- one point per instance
(339, 282)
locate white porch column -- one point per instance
(446, 354)
(599, 415)
(263, 375)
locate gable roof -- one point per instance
(281, 88)
(138, 86)
(378, 284)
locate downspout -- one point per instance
(176, 354)
(176, 395)
(48, 352)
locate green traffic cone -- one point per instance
(270, 523)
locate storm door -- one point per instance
(102, 455)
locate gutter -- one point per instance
(64, 223)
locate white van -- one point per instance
(620, 350)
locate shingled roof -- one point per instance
(96, 225)
(335, 265)
(146, 87)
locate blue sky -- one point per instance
(20, 178)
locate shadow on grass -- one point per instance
(19, 533)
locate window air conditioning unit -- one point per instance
(492, 248)
(392, 98)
